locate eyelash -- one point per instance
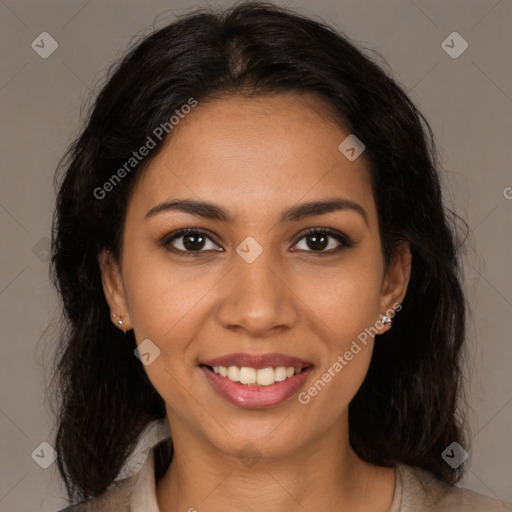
(345, 241)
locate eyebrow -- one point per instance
(295, 213)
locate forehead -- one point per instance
(253, 153)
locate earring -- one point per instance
(119, 322)
(386, 320)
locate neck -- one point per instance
(323, 475)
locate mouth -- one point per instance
(253, 376)
(256, 381)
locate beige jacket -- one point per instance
(415, 491)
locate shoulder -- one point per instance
(422, 491)
(116, 498)
(136, 493)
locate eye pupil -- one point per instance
(319, 241)
(198, 238)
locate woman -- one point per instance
(252, 252)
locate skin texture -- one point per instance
(255, 157)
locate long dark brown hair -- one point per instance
(408, 407)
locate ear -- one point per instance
(396, 280)
(113, 289)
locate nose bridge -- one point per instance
(257, 298)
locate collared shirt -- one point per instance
(415, 491)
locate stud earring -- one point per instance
(119, 322)
(386, 320)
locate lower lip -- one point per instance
(256, 397)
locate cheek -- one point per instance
(165, 307)
(348, 306)
(346, 298)
(159, 300)
(168, 305)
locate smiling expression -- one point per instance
(248, 285)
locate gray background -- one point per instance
(467, 100)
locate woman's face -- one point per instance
(252, 289)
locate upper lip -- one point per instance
(257, 361)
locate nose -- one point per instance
(256, 298)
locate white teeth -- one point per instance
(265, 376)
(247, 375)
(280, 373)
(261, 376)
(233, 373)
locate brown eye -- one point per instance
(193, 242)
(317, 242)
(324, 241)
(190, 241)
